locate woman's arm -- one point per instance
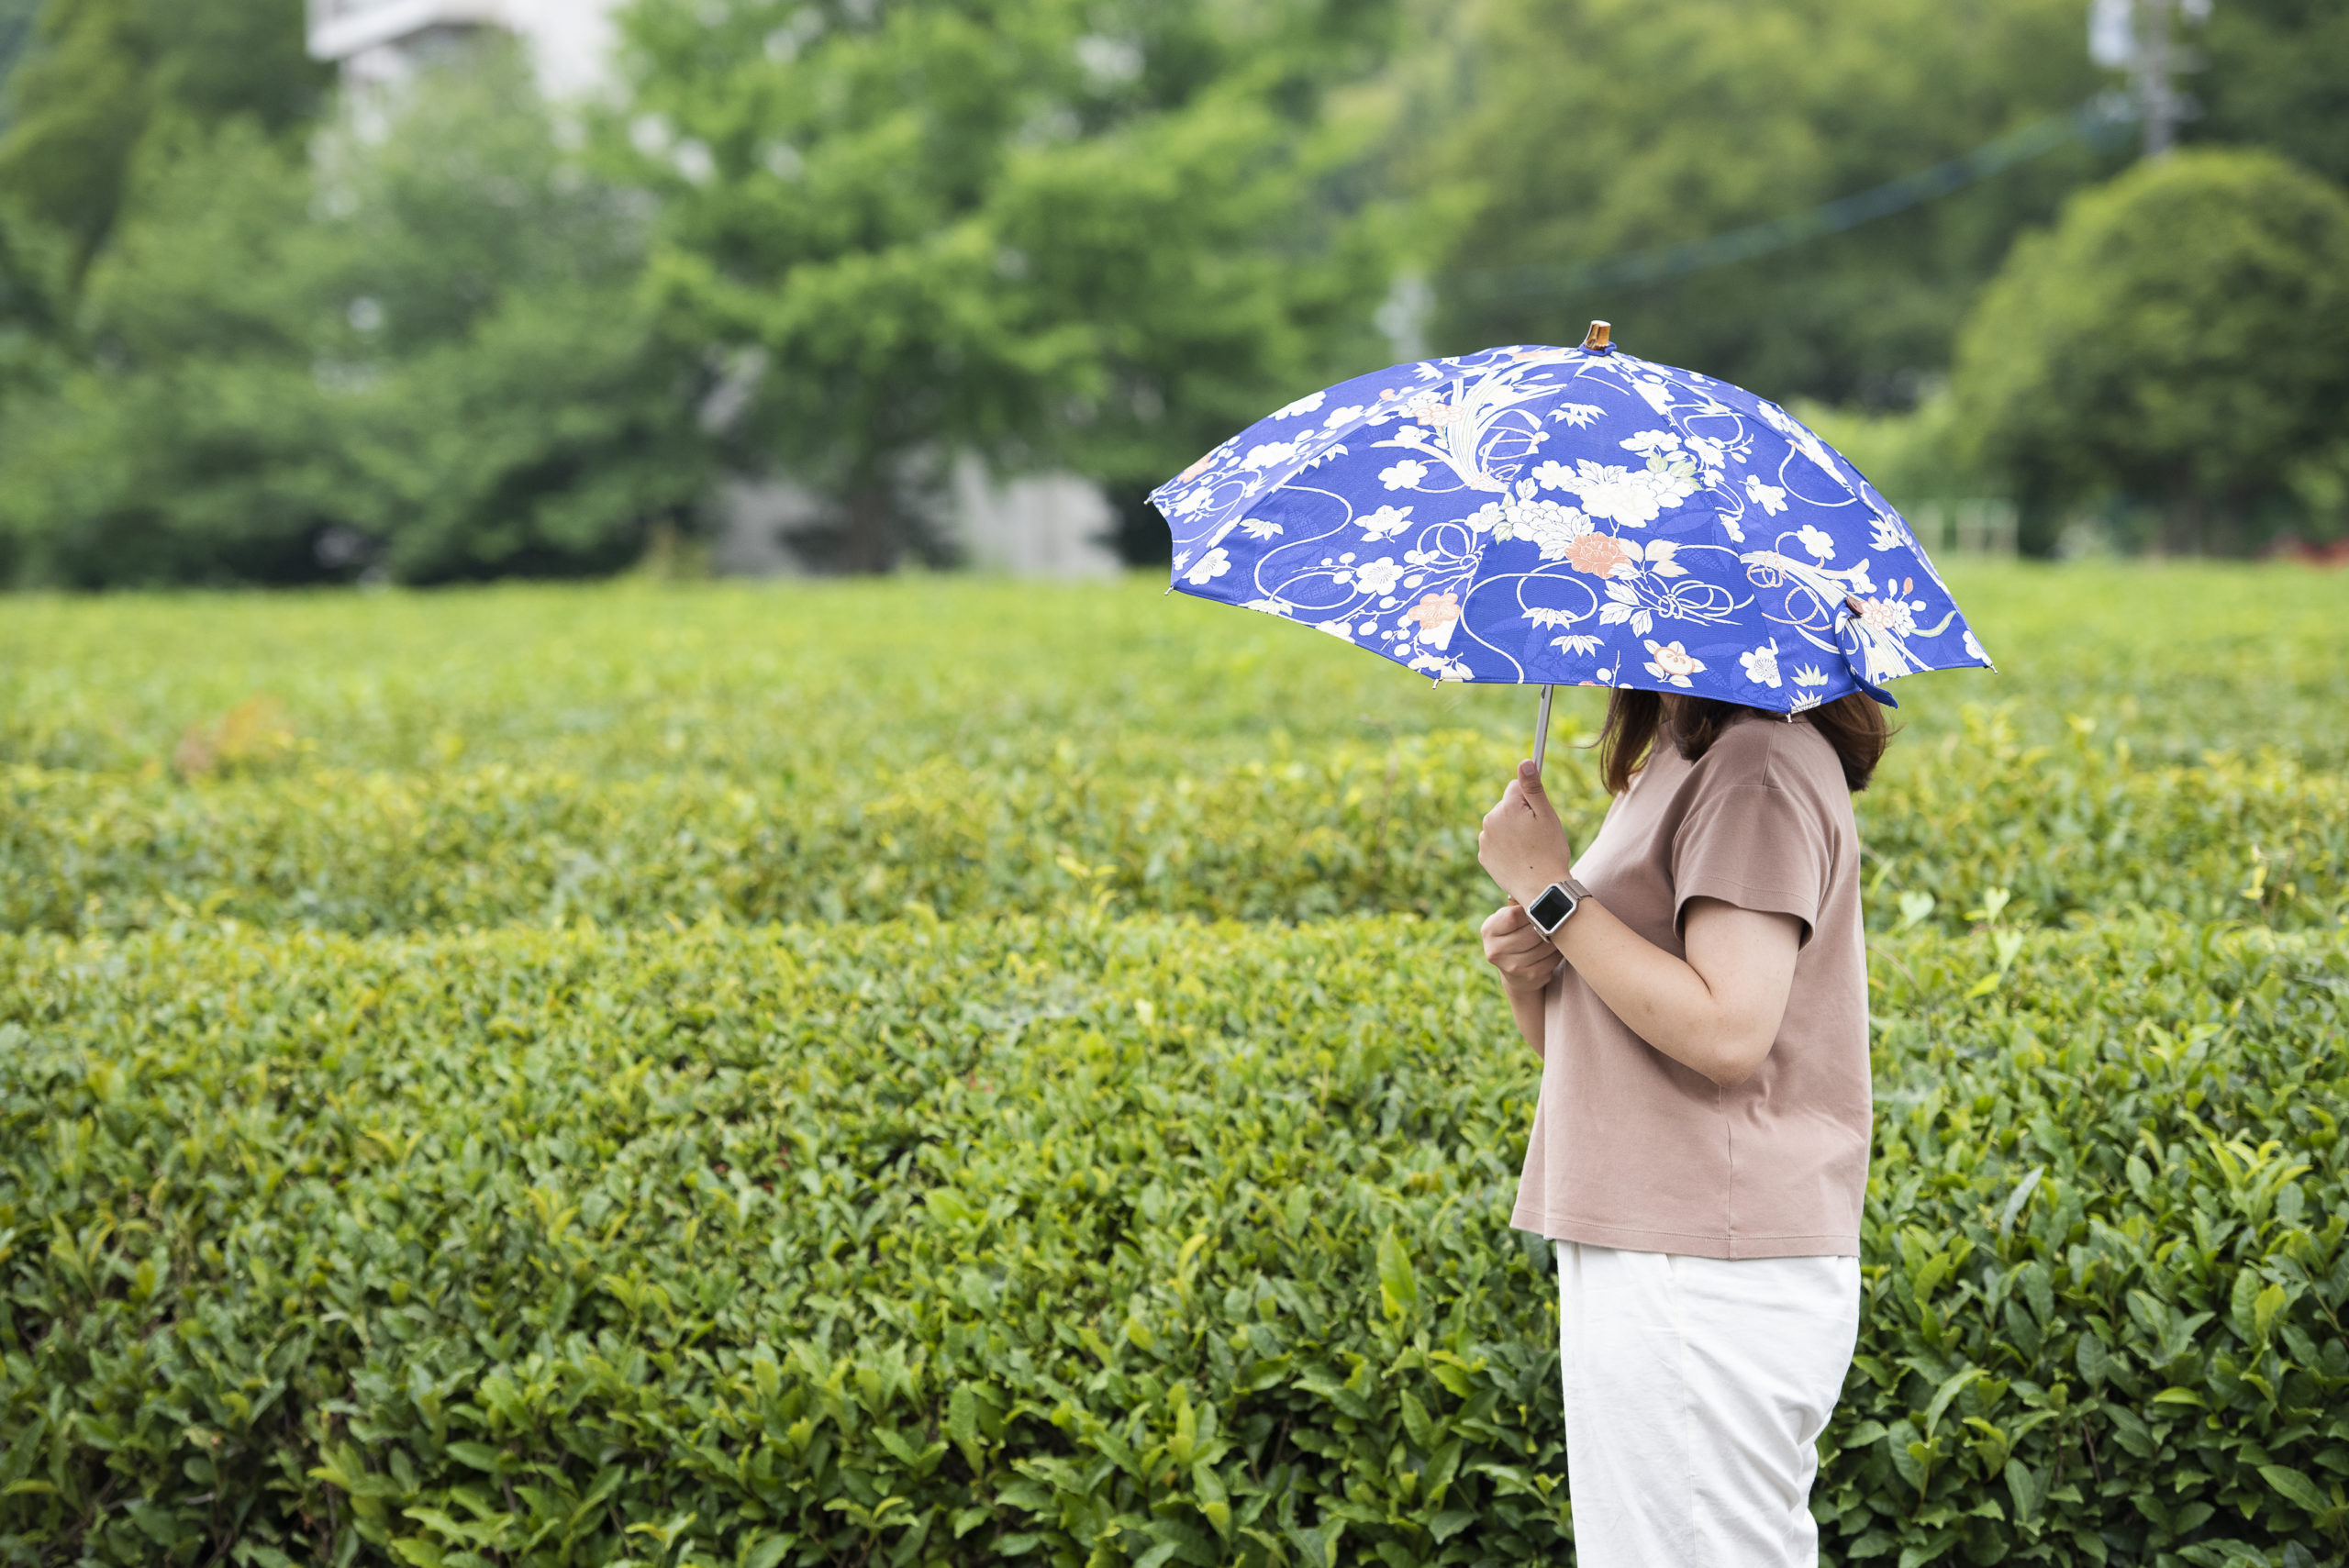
(1515, 946)
(1717, 1011)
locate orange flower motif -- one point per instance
(1196, 469)
(1435, 610)
(1597, 555)
(1884, 614)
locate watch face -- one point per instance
(1552, 908)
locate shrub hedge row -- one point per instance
(2083, 825)
(754, 684)
(1089, 1242)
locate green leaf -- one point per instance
(2039, 1290)
(1416, 1424)
(2296, 1486)
(1451, 1522)
(2270, 1302)
(1399, 1285)
(962, 1424)
(1950, 1389)
(2025, 1489)
(1932, 1549)
(2019, 1196)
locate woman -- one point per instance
(1700, 1147)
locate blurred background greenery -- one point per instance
(259, 326)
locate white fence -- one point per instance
(1964, 526)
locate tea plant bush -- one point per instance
(2080, 827)
(756, 683)
(952, 1073)
(1089, 1240)
(2162, 739)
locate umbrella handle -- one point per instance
(1540, 741)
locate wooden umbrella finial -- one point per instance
(1596, 337)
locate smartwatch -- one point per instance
(1550, 908)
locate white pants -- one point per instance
(1696, 1392)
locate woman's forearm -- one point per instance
(1526, 1007)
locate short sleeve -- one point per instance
(1756, 846)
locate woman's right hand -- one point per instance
(1515, 946)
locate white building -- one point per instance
(1031, 526)
(380, 41)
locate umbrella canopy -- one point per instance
(1573, 516)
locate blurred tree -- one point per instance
(515, 407)
(1052, 231)
(1567, 131)
(34, 269)
(2279, 76)
(16, 17)
(2180, 339)
(421, 354)
(101, 74)
(168, 452)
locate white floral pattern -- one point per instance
(1670, 662)
(1541, 514)
(1213, 564)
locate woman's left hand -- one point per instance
(1522, 844)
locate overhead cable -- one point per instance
(2093, 122)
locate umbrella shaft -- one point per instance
(1541, 728)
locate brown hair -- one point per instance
(1854, 726)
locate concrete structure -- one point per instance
(1036, 526)
(378, 42)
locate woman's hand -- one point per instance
(1515, 946)
(1523, 845)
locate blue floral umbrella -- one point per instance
(1569, 516)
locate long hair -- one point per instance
(1854, 726)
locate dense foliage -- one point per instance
(526, 756)
(420, 1145)
(1049, 232)
(1587, 129)
(414, 350)
(2181, 338)
(1138, 825)
(98, 80)
(850, 243)
(1095, 1241)
(2279, 77)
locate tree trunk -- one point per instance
(870, 538)
(2182, 519)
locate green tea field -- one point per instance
(953, 1071)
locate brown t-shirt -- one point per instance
(1629, 1148)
